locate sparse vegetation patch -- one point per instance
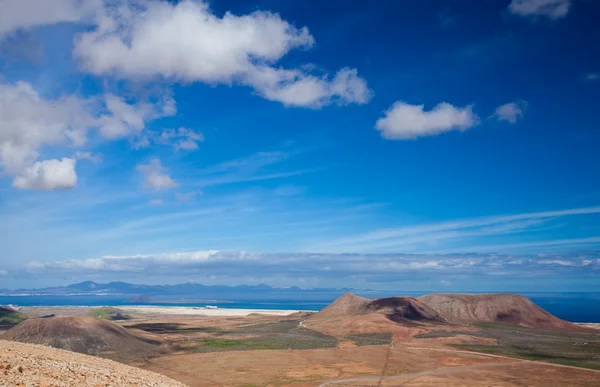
(371, 339)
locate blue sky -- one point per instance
(399, 145)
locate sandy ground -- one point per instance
(36, 365)
(189, 311)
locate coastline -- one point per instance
(220, 312)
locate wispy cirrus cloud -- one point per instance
(403, 237)
(259, 166)
(552, 9)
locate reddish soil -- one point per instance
(501, 308)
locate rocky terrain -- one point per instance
(36, 365)
(498, 308)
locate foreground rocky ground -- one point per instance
(36, 365)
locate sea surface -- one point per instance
(576, 307)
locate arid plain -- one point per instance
(399, 341)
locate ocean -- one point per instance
(575, 307)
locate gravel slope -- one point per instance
(36, 365)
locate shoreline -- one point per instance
(220, 312)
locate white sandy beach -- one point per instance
(190, 311)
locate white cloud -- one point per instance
(371, 267)
(186, 42)
(297, 88)
(157, 202)
(181, 139)
(561, 262)
(553, 9)
(124, 119)
(511, 112)
(156, 176)
(93, 158)
(29, 122)
(3, 273)
(404, 121)
(48, 175)
(25, 14)
(140, 142)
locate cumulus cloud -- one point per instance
(511, 112)
(156, 175)
(93, 158)
(48, 175)
(552, 9)
(404, 121)
(18, 15)
(29, 122)
(181, 139)
(124, 119)
(186, 42)
(297, 88)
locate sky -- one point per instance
(394, 145)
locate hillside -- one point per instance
(398, 309)
(346, 305)
(28, 364)
(84, 335)
(403, 310)
(498, 308)
(10, 317)
(351, 314)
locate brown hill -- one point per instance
(346, 305)
(403, 310)
(351, 314)
(501, 308)
(84, 335)
(398, 309)
(35, 365)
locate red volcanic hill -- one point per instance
(346, 305)
(500, 308)
(86, 335)
(402, 310)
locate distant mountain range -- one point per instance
(186, 290)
